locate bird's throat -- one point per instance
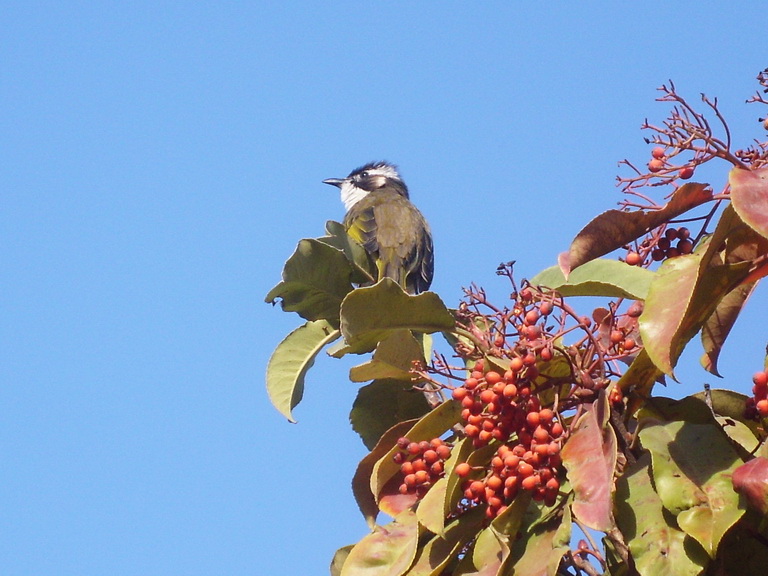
(351, 195)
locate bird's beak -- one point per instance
(334, 182)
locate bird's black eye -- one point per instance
(364, 174)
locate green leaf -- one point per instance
(727, 412)
(694, 484)
(486, 557)
(339, 558)
(615, 228)
(290, 361)
(364, 269)
(749, 197)
(435, 555)
(657, 545)
(370, 314)
(388, 551)
(590, 458)
(393, 358)
(541, 547)
(609, 278)
(719, 324)
(315, 280)
(382, 404)
(684, 294)
(638, 381)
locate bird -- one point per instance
(381, 218)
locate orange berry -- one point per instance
(762, 407)
(492, 377)
(556, 430)
(510, 391)
(658, 153)
(462, 469)
(655, 165)
(471, 383)
(760, 379)
(477, 488)
(532, 419)
(511, 461)
(494, 482)
(524, 469)
(633, 259)
(430, 456)
(530, 483)
(471, 430)
(546, 416)
(459, 393)
(541, 435)
(422, 476)
(686, 172)
(516, 364)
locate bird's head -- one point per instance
(366, 179)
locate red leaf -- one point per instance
(751, 479)
(749, 195)
(615, 228)
(589, 455)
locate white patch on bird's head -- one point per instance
(364, 180)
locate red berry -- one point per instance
(471, 430)
(402, 443)
(760, 379)
(516, 364)
(658, 153)
(655, 165)
(414, 448)
(685, 246)
(471, 383)
(487, 396)
(762, 407)
(633, 259)
(459, 393)
(545, 354)
(628, 344)
(635, 310)
(546, 416)
(443, 451)
(492, 377)
(462, 469)
(686, 172)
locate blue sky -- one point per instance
(158, 163)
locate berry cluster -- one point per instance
(665, 249)
(501, 408)
(658, 163)
(757, 406)
(421, 463)
(494, 406)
